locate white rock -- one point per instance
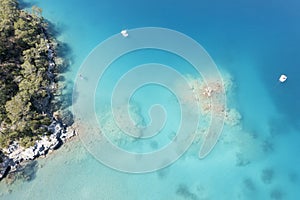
(55, 144)
(51, 65)
(28, 154)
(71, 134)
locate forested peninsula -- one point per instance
(32, 117)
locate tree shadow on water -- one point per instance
(63, 59)
(25, 4)
(63, 52)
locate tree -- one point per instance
(25, 93)
(17, 107)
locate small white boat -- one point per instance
(282, 78)
(124, 33)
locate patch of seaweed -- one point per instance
(162, 173)
(184, 192)
(25, 172)
(154, 145)
(276, 194)
(241, 160)
(293, 177)
(248, 183)
(267, 146)
(267, 176)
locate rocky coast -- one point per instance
(15, 156)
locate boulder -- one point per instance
(5, 165)
(4, 171)
(55, 144)
(70, 134)
(58, 130)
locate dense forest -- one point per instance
(27, 77)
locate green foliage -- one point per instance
(27, 141)
(25, 94)
(17, 107)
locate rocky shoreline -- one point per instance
(15, 155)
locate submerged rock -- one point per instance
(56, 144)
(5, 166)
(4, 171)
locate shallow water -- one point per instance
(254, 41)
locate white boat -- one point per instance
(124, 33)
(282, 78)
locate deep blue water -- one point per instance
(254, 41)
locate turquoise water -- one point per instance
(254, 41)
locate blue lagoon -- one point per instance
(251, 42)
